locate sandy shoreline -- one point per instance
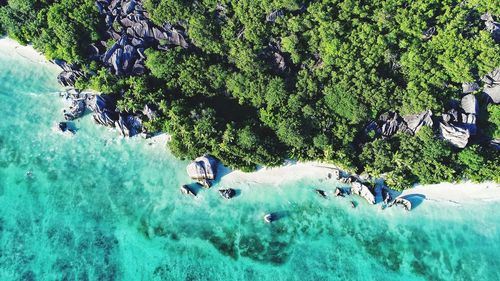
(10, 46)
(457, 193)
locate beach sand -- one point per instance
(9, 45)
(455, 193)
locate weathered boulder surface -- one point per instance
(459, 123)
(390, 123)
(70, 73)
(469, 104)
(76, 110)
(456, 135)
(363, 191)
(492, 85)
(415, 122)
(202, 168)
(128, 23)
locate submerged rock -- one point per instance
(227, 193)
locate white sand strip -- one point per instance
(10, 46)
(459, 193)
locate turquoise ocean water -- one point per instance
(99, 207)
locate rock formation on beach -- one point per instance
(70, 73)
(364, 191)
(203, 169)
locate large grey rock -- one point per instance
(159, 34)
(177, 38)
(110, 52)
(202, 168)
(105, 118)
(122, 126)
(102, 103)
(415, 122)
(492, 26)
(468, 88)
(493, 77)
(127, 22)
(129, 54)
(363, 191)
(70, 73)
(493, 93)
(138, 68)
(457, 136)
(389, 123)
(68, 78)
(469, 104)
(128, 6)
(76, 110)
(492, 87)
(280, 61)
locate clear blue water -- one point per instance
(99, 207)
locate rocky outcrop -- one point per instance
(76, 110)
(492, 85)
(127, 22)
(468, 88)
(104, 110)
(469, 104)
(459, 124)
(492, 26)
(128, 125)
(203, 170)
(69, 75)
(363, 191)
(66, 127)
(457, 136)
(390, 123)
(415, 122)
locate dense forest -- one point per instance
(259, 81)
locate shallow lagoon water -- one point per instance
(100, 207)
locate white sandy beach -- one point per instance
(10, 46)
(456, 193)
